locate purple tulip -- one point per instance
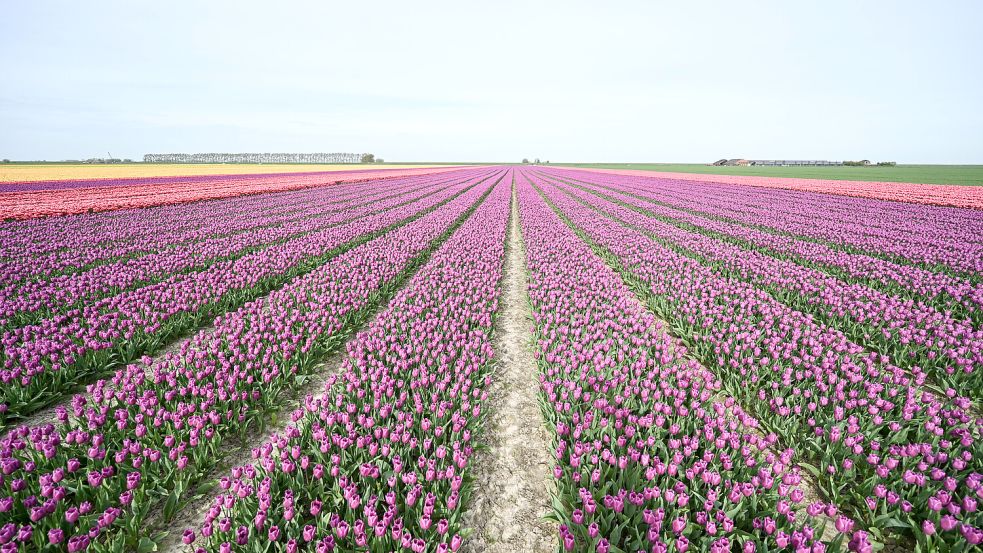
(56, 535)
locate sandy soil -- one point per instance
(513, 475)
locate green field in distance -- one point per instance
(966, 175)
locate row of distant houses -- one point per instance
(739, 162)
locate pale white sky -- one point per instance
(495, 81)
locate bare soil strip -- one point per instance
(513, 475)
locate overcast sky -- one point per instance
(495, 81)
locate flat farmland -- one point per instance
(963, 175)
(490, 358)
(27, 172)
(41, 198)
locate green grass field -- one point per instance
(965, 175)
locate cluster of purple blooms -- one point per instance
(379, 462)
(941, 289)
(154, 254)
(153, 430)
(812, 384)
(650, 454)
(43, 358)
(917, 336)
(880, 444)
(43, 248)
(945, 238)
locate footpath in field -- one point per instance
(513, 476)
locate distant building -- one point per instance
(739, 162)
(254, 158)
(794, 162)
(103, 160)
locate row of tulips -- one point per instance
(41, 360)
(145, 437)
(938, 239)
(940, 290)
(899, 460)
(380, 461)
(45, 248)
(930, 194)
(925, 223)
(194, 174)
(920, 219)
(39, 237)
(914, 335)
(29, 204)
(29, 302)
(650, 455)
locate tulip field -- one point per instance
(932, 194)
(310, 361)
(30, 199)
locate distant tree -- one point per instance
(525, 160)
(537, 160)
(547, 162)
(380, 160)
(368, 158)
(5, 160)
(887, 163)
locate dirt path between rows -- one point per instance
(513, 475)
